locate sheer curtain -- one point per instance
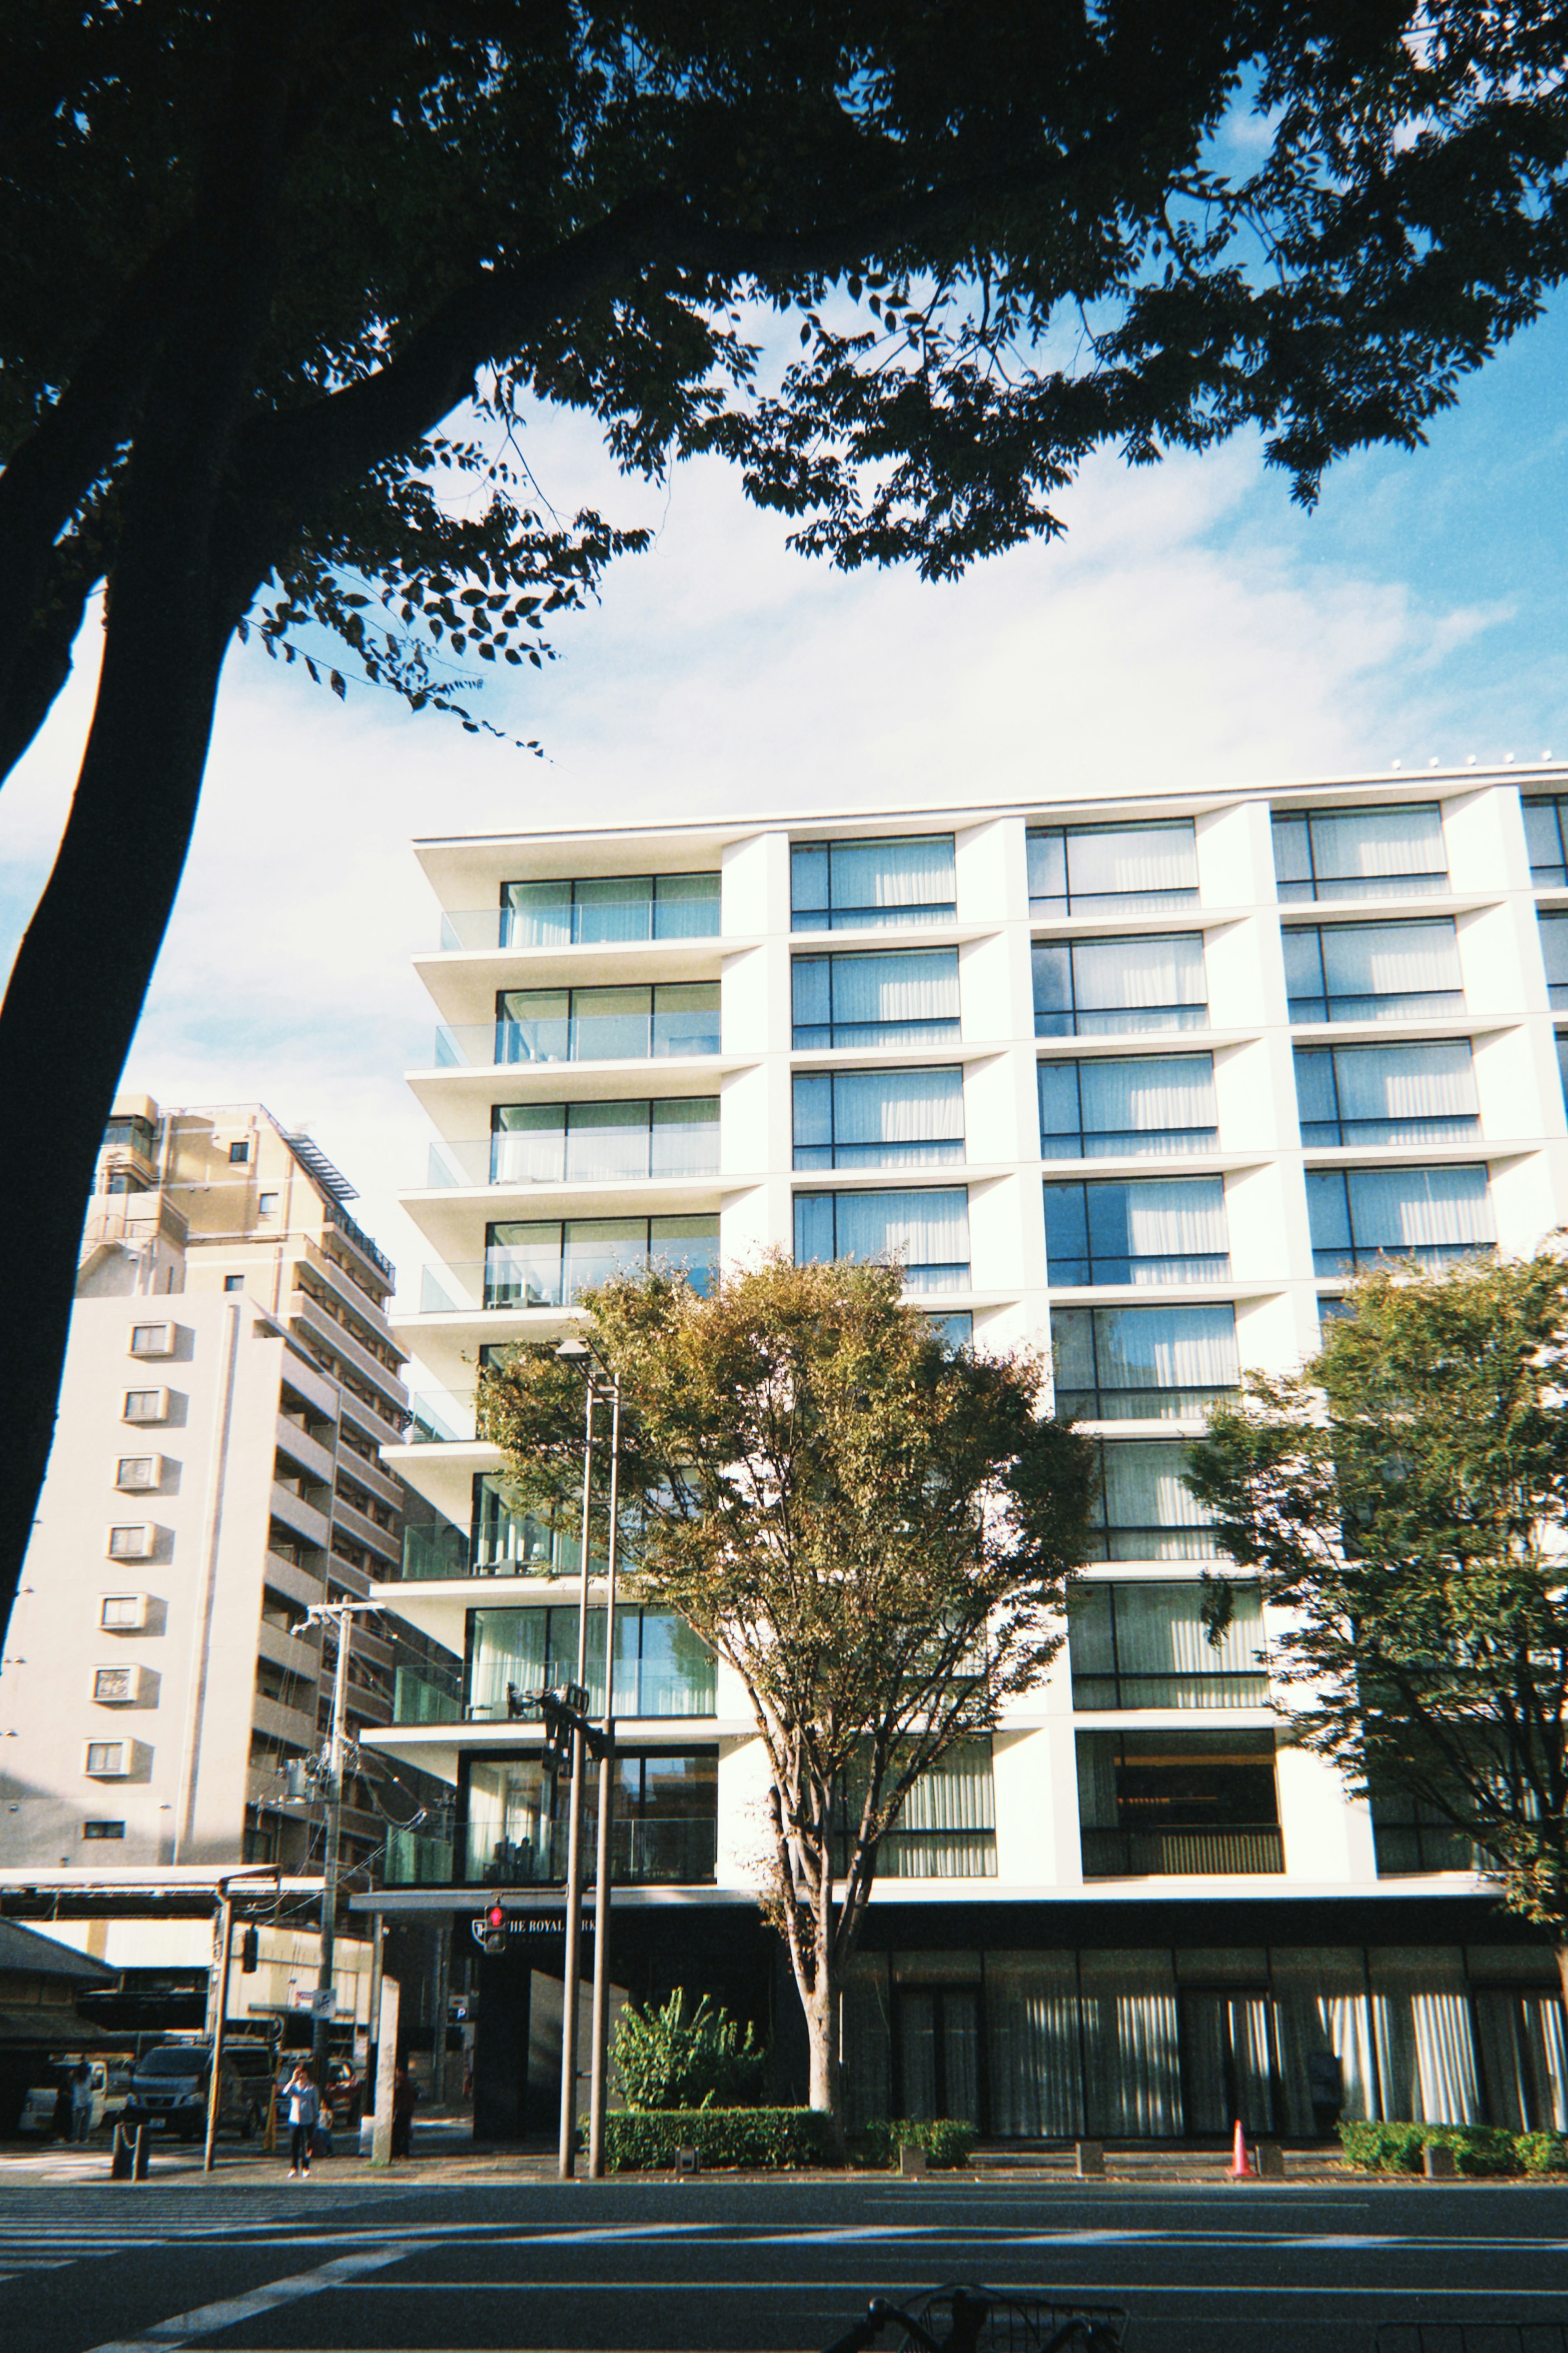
(1174, 1091)
(539, 915)
(867, 2044)
(1420, 1209)
(1032, 2045)
(1140, 984)
(1421, 2011)
(608, 1139)
(529, 1144)
(1320, 2008)
(947, 1827)
(1555, 952)
(919, 984)
(1359, 848)
(1430, 1091)
(1147, 1510)
(1525, 2061)
(1166, 1347)
(896, 1107)
(1128, 861)
(614, 907)
(1160, 1637)
(925, 1229)
(915, 871)
(1172, 1217)
(1131, 2066)
(1391, 959)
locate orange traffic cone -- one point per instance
(1240, 2163)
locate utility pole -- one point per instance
(343, 1613)
(599, 2063)
(566, 2163)
(256, 1877)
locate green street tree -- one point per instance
(284, 286)
(1406, 1500)
(873, 1531)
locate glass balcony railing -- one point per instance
(643, 1853)
(551, 1276)
(1182, 1853)
(598, 911)
(585, 1155)
(636, 1036)
(439, 1418)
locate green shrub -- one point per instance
(1397, 2147)
(946, 2142)
(1542, 2152)
(639, 2140)
(662, 2059)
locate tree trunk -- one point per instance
(1563, 1970)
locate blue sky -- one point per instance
(1195, 626)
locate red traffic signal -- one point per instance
(495, 1929)
(498, 1917)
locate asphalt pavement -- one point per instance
(767, 2267)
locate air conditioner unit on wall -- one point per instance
(120, 1686)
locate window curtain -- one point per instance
(1321, 2009)
(689, 1243)
(1391, 959)
(1138, 975)
(509, 1646)
(1172, 1091)
(1419, 1209)
(1125, 862)
(953, 1809)
(1148, 1512)
(1172, 1217)
(1406, 1082)
(1542, 836)
(1032, 2039)
(595, 1249)
(1421, 2013)
(1369, 844)
(608, 1139)
(1131, 2067)
(897, 1106)
(1554, 948)
(920, 985)
(1160, 1632)
(1525, 2061)
(684, 1137)
(1166, 1347)
(529, 1144)
(614, 907)
(866, 2044)
(912, 872)
(1046, 856)
(539, 915)
(922, 1229)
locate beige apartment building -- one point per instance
(230, 1380)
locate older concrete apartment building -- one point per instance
(1149, 1078)
(230, 1382)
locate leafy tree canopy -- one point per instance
(1407, 1501)
(872, 1531)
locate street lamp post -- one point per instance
(606, 1805)
(567, 2155)
(256, 1878)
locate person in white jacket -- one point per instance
(304, 2108)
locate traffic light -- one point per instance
(250, 1952)
(555, 1706)
(495, 1929)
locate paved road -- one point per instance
(762, 2269)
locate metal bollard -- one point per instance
(1270, 2161)
(912, 2161)
(686, 2160)
(1440, 2164)
(1090, 2159)
(128, 2158)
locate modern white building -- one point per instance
(1150, 1076)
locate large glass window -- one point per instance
(1102, 989)
(543, 1144)
(905, 997)
(661, 1667)
(1554, 954)
(1137, 1229)
(1112, 869)
(1374, 971)
(1167, 1804)
(1361, 1215)
(609, 907)
(607, 1025)
(507, 1540)
(947, 1828)
(1386, 1094)
(927, 1232)
(1366, 853)
(1153, 1105)
(1145, 1645)
(1411, 1836)
(878, 1119)
(664, 1830)
(551, 1263)
(1142, 1364)
(836, 886)
(1144, 1510)
(1545, 835)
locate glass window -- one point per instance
(551, 1262)
(954, 1331)
(947, 1828)
(1409, 1835)
(1145, 1645)
(1562, 1065)
(1386, 1094)
(1554, 954)
(1374, 971)
(928, 1232)
(1137, 1229)
(1099, 989)
(1164, 1804)
(902, 998)
(239, 1153)
(1361, 1215)
(534, 1143)
(1544, 836)
(506, 1540)
(1112, 869)
(1141, 1363)
(664, 1831)
(838, 886)
(600, 1024)
(1366, 853)
(1144, 1510)
(661, 1667)
(878, 1119)
(609, 907)
(1154, 1106)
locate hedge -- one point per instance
(945, 2141)
(1478, 2148)
(639, 2140)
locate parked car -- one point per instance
(41, 2106)
(169, 2089)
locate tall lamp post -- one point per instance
(603, 1387)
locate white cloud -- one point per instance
(1177, 636)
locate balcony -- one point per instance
(642, 1854)
(574, 1153)
(632, 1033)
(1182, 1853)
(596, 913)
(555, 1273)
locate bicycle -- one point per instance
(989, 2320)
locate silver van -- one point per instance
(169, 2088)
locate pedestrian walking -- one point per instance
(81, 2101)
(404, 2092)
(304, 2108)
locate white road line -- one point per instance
(208, 2318)
(1070, 2293)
